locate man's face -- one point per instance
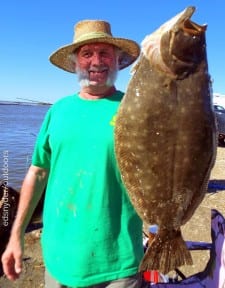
(96, 64)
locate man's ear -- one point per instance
(72, 62)
(124, 59)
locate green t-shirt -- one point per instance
(91, 231)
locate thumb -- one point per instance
(18, 266)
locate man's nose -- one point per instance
(96, 59)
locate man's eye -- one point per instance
(104, 54)
(86, 55)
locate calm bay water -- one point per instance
(19, 126)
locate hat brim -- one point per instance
(130, 52)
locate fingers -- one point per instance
(18, 265)
(12, 264)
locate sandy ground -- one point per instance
(197, 229)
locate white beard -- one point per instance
(83, 77)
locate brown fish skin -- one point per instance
(165, 136)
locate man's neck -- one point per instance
(93, 93)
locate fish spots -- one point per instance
(186, 160)
(163, 136)
(129, 108)
(137, 93)
(154, 145)
(140, 147)
(183, 110)
(147, 189)
(132, 117)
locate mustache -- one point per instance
(101, 68)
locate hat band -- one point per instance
(91, 36)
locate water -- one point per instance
(19, 126)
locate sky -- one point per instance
(32, 30)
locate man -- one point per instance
(92, 237)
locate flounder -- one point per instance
(165, 136)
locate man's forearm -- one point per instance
(31, 191)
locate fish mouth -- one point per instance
(190, 26)
(168, 48)
(193, 28)
(183, 21)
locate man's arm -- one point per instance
(31, 191)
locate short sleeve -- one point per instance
(42, 152)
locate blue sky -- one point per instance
(31, 30)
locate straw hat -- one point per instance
(92, 31)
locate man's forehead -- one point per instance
(96, 46)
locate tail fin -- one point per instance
(166, 252)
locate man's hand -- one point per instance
(31, 191)
(12, 258)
